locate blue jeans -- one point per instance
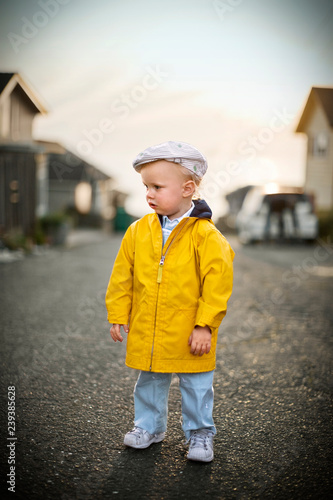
(151, 401)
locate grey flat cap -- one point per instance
(176, 152)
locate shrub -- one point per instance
(53, 228)
(325, 219)
(15, 239)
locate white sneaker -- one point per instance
(201, 446)
(139, 438)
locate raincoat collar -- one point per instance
(201, 210)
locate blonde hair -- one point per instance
(186, 173)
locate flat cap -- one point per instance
(177, 152)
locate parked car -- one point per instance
(276, 214)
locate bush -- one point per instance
(325, 219)
(53, 228)
(52, 220)
(15, 239)
(39, 236)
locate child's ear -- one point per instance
(188, 188)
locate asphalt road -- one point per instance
(73, 394)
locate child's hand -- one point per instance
(115, 332)
(200, 340)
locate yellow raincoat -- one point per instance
(164, 293)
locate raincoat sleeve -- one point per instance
(118, 298)
(216, 275)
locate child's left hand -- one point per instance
(200, 340)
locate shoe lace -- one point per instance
(136, 431)
(199, 438)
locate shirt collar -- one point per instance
(166, 219)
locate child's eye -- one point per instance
(157, 187)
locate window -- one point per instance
(320, 144)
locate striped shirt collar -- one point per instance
(166, 222)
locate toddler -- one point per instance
(169, 288)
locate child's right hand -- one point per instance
(115, 332)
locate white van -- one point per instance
(276, 214)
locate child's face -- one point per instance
(168, 191)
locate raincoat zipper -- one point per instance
(160, 269)
(159, 280)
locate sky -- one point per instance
(230, 77)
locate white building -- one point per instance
(317, 123)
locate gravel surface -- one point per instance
(73, 393)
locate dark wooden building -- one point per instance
(17, 188)
(18, 191)
(39, 178)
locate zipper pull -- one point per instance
(160, 269)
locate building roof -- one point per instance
(69, 166)
(51, 147)
(322, 96)
(8, 82)
(4, 79)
